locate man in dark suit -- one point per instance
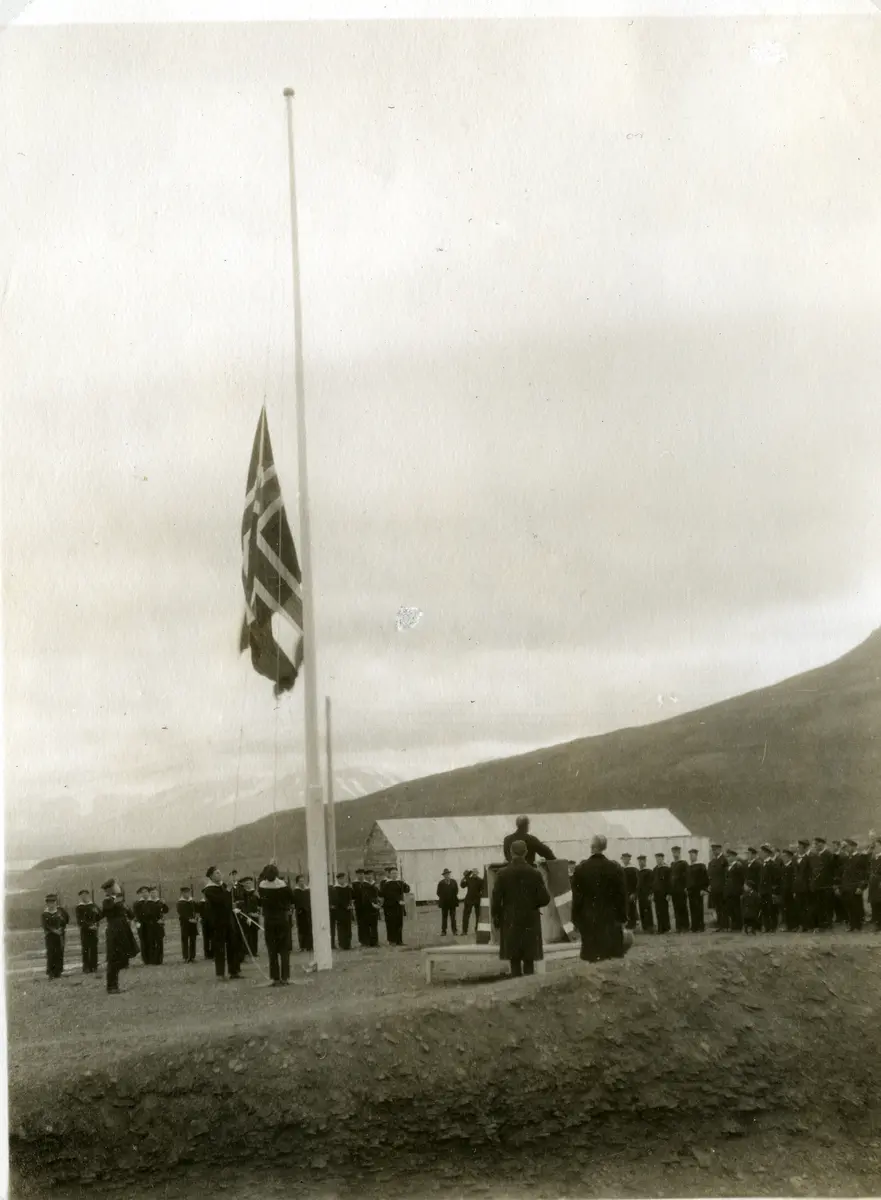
(770, 883)
(518, 896)
(698, 882)
(88, 917)
(661, 893)
(717, 869)
(533, 845)
(219, 904)
(679, 889)
(801, 885)
(644, 895)
(735, 881)
(822, 885)
(787, 892)
(854, 881)
(599, 904)
(448, 901)
(631, 884)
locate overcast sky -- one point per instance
(592, 358)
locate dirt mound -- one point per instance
(763, 1031)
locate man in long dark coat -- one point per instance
(530, 841)
(518, 896)
(698, 883)
(599, 904)
(88, 916)
(717, 869)
(219, 905)
(121, 944)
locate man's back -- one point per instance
(533, 847)
(519, 891)
(598, 890)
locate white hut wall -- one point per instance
(422, 868)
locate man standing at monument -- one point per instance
(599, 904)
(533, 845)
(472, 882)
(518, 896)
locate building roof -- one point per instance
(447, 833)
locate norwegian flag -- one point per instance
(270, 570)
(557, 913)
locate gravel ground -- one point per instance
(66, 1035)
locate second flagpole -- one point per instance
(316, 846)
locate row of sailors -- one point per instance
(809, 888)
(230, 916)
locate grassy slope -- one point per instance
(798, 758)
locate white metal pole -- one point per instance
(315, 841)
(330, 811)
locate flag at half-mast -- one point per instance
(270, 570)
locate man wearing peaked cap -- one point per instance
(822, 883)
(54, 922)
(698, 883)
(787, 891)
(854, 884)
(754, 867)
(88, 917)
(717, 869)
(141, 909)
(644, 895)
(631, 883)
(735, 880)
(801, 886)
(769, 889)
(679, 889)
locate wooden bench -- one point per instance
(471, 951)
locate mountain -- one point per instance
(796, 759)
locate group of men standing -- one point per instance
(806, 888)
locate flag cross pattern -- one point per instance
(270, 569)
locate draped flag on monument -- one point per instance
(270, 570)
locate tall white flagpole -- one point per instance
(330, 811)
(315, 839)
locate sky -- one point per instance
(591, 359)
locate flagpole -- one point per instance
(330, 811)
(315, 841)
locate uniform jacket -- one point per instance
(55, 923)
(735, 879)
(801, 877)
(698, 877)
(661, 880)
(392, 892)
(341, 898)
(533, 847)
(717, 869)
(631, 880)
(646, 879)
(518, 897)
(754, 872)
(303, 899)
(678, 875)
(822, 868)
(855, 874)
(121, 944)
(88, 915)
(448, 893)
(276, 900)
(769, 879)
(186, 912)
(787, 878)
(218, 905)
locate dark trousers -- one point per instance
(662, 913)
(394, 924)
(144, 941)
(278, 947)
(804, 908)
(225, 953)
(112, 976)
(840, 907)
(770, 914)
(717, 903)
(159, 945)
(646, 916)
(208, 939)
(734, 913)
(304, 930)
(631, 912)
(89, 946)
(823, 910)
(448, 914)
(696, 909)
(855, 910)
(371, 926)
(680, 911)
(520, 966)
(341, 925)
(363, 929)
(471, 906)
(188, 941)
(876, 914)
(752, 924)
(54, 956)
(252, 937)
(789, 912)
